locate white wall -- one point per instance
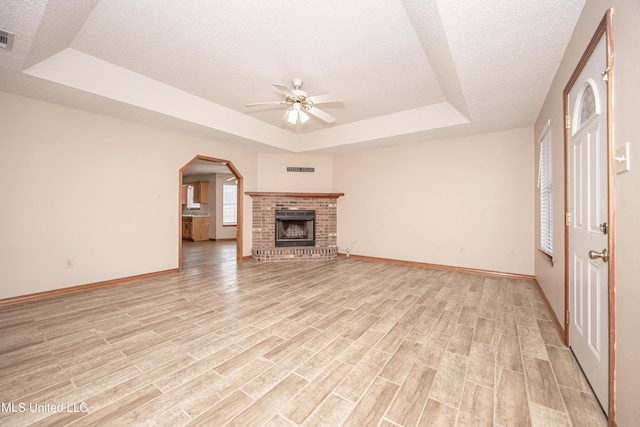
(424, 202)
(82, 186)
(273, 175)
(626, 80)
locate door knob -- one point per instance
(604, 255)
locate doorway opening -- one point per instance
(194, 172)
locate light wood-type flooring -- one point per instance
(348, 342)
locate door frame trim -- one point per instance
(605, 28)
(239, 210)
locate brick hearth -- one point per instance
(265, 206)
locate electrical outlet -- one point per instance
(461, 249)
(69, 263)
(437, 248)
(512, 253)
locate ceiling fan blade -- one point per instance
(329, 97)
(265, 103)
(315, 111)
(284, 89)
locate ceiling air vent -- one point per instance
(6, 39)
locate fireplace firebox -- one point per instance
(295, 228)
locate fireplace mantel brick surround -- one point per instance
(265, 206)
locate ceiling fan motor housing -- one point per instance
(300, 98)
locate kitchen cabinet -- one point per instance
(195, 228)
(200, 192)
(183, 195)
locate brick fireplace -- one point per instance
(267, 205)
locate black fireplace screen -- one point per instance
(295, 228)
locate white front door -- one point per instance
(588, 207)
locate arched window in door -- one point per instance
(586, 106)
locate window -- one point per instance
(190, 194)
(229, 204)
(545, 185)
(587, 105)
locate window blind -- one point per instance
(545, 184)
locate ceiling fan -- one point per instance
(299, 103)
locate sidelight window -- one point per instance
(545, 186)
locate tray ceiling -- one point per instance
(407, 71)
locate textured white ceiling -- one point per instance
(407, 70)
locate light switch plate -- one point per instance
(622, 160)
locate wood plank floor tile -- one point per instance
(413, 314)
(317, 343)
(542, 416)
(237, 361)
(272, 375)
(331, 319)
(331, 412)
(270, 403)
(359, 348)
(360, 326)
(531, 342)
(549, 333)
(476, 408)
(175, 416)
(511, 408)
(422, 329)
(279, 421)
(280, 352)
(87, 393)
(526, 317)
(566, 368)
(468, 316)
(397, 369)
(432, 351)
(449, 381)
(310, 397)
(355, 384)
(438, 414)
(412, 396)
(507, 323)
(540, 311)
(23, 384)
(323, 358)
(373, 404)
(223, 412)
(204, 387)
(583, 408)
(541, 385)
(509, 355)
(446, 324)
(460, 342)
(482, 364)
(392, 339)
(486, 331)
(326, 337)
(122, 407)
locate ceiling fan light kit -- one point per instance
(299, 103)
(295, 112)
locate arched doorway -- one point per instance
(211, 165)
